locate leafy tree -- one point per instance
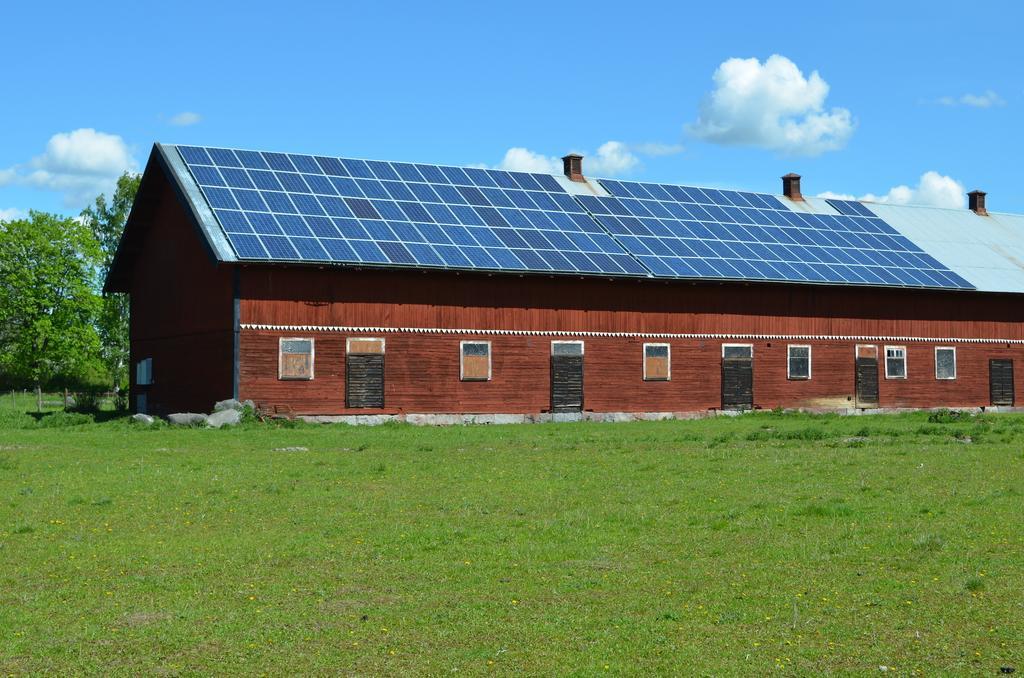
(48, 302)
(107, 220)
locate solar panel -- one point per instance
(683, 232)
(850, 208)
(320, 209)
(278, 206)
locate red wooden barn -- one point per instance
(316, 285)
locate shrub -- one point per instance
(86, 401)
(945, 416)
(62, 419)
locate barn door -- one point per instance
(737, 376)
(866, 375)
(1000, 381)
(566, 376)
(364, 373)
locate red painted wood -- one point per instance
(301, 296)
(181, 314)
(182, 318)
(422, 375)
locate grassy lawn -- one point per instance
(764, 543)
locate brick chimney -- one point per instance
(572, 165)
(791, 187)
(976, 201)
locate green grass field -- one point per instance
(764, 543)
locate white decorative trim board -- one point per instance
(637, 335)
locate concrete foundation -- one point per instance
(603, 417)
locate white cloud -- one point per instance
(518, 159)
(80, 164)
(186, 118)
(829, 195)
(987, 99)
(612, 158)
(932, 190)
(771, 105)
(11, 213)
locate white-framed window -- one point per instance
(295, 358)
(475, 360)
(657, 362)
(364, 345)
(945, 362)
(737, 350)
(144, 372)
(567, 348)
(798, 361)
(895, 362)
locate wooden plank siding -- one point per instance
(372, 298)
(422, 375)
(181, 314)
(422, 370)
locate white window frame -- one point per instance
(574, 341)
(462, 356)
(667, 357)
(945, 348)
(810, 351)
(750, 346)
(349, 340)
(280, 358)
(144, 372)
(885, 354)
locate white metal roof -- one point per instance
(987, 251)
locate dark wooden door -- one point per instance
(867, 382)
(364, 380)
(1000, 381)
(737, 383)
(566, 383)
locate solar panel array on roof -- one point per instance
(685, 232)
(305, 208)
(850, 208)
(287, 207)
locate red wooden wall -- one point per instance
(181, 313)
(422, 370)
(306, 296)
(422, 375)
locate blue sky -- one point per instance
(929, 100)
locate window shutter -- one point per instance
(296, 359)
(476, 360)
(364, 373)
(657, 364)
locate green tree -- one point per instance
(107, 220)
(48, 300)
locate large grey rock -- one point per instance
(186, 419)
(224, 418)
(232, 404)
(143, 419)
(229, 404)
